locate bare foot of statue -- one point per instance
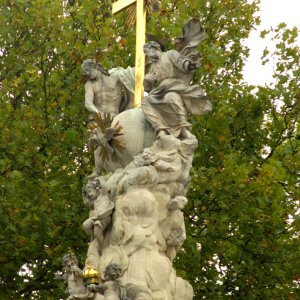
(161, 133)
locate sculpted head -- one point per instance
(91, 191)
(152, 51)
(112, 272)
(90, 68)
(146, 158)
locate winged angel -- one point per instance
(171, 97)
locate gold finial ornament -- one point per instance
(90, 276)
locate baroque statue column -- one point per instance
(137, 192)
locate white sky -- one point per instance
(272, 13)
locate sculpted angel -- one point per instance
(96, 198)
(171, 97)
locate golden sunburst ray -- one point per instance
(103, 123)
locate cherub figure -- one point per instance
(96, 197)
(72, 274)
(112, 288)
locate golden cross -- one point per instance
(140, 41)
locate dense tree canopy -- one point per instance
(242, 219)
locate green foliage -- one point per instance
(243, 212)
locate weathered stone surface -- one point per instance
(137, 134)
(136, 223)
(72, 274)
(171, 97)
(108, 91)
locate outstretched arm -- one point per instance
(184, 63)
(89, 98)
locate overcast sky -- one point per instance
(272, 13)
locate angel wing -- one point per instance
(192, 35)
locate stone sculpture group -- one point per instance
(137, 191)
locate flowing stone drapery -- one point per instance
(136, 223)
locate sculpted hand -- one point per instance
(191, 66)
(96, 111)
(149, 83)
